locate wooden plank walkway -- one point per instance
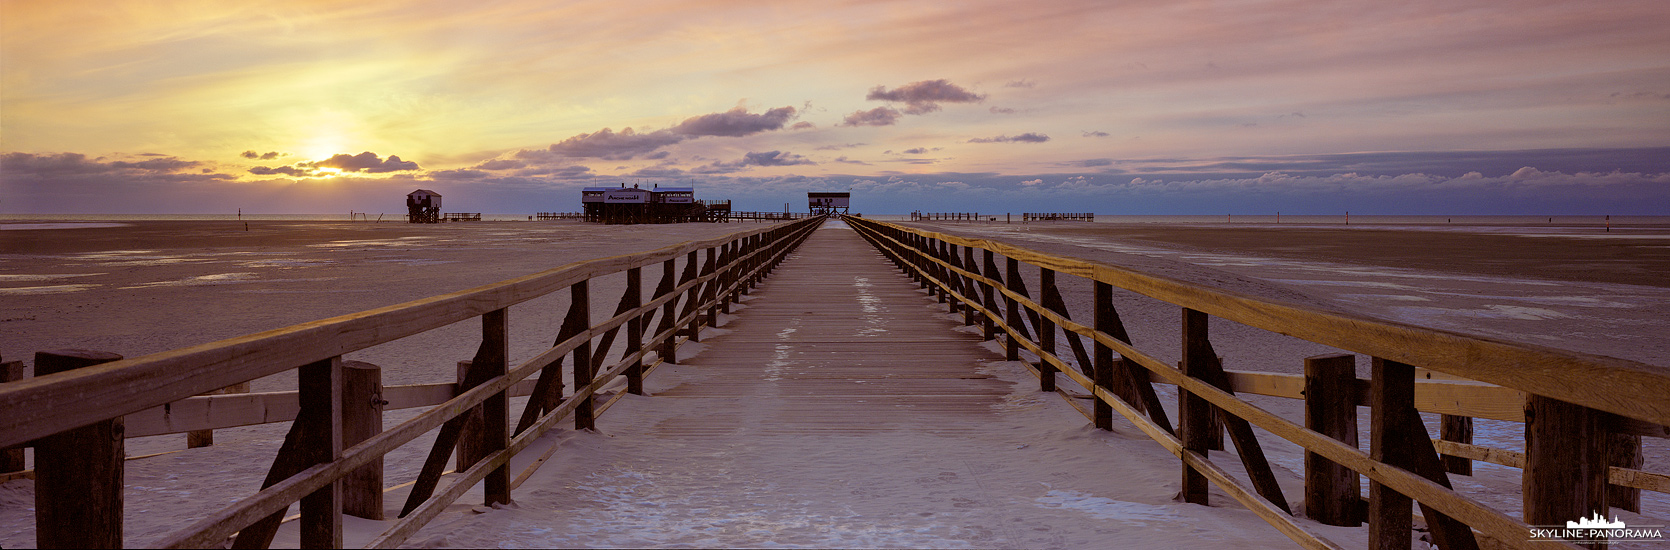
(842, 408)
(843, 343)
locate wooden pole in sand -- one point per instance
(1331, 490)
(1391, 400)
(1195, 425)
(1565, 462)
(78, 472)
(362, 418)
(11, 460)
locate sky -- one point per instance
(1137, 107)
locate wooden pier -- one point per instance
(838, 343)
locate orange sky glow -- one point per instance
(1128, 107)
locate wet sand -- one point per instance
(1637, 256)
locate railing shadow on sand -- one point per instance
(1584, 415)
(332, 457)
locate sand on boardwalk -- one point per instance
(151, 286)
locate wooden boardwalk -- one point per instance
(840, 341)
(842, 407)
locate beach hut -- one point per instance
(423, 206)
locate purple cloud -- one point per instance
(924, 96)
(736, 122)
(774, 158)
(879, 116)
(607, 144)
(77, 163)
(1096, 133)
(280, 171)
(366, 162)
(251, 154)
(1029, 137)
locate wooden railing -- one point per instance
(78, 448)
(1583, 414)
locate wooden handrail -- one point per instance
(1620, 386)
(36, 407)
(45, 405)
(1587, 380)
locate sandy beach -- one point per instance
(143, 287)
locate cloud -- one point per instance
(1096, 133)
(367, 162)
(774, 158)
(846, 160)
(1001, 111)
(607, 144)
(736, 122)
(923, 97)
(839, 147)
(915, 151)
(879, 116)
(280, 171)
(61, 164)
(1022, 83)
(1029, 137)
(501, 164)
(251, 154)
(803, 125)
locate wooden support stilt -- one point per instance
(632, 299)
(1391, 395)
(362, 418)
(583, 366)
(11, 459)
(1565, 462)
(1194, 413)
(1246, 443)
(1332, 490)
(1103, 298)
(1012, 314)
(1460, 430)
(79, 472)
(320, 393)
(1046, 334)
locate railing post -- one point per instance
(580, 298)
(1331, 490)
(1104, 363)
(694, 300)
(495, 418)
(989, 328)
(669, 316)
(1565, 462)
(11, 460)
(635, 331)
(712, 286)
(1460, 430)
(78, 472)
(362, 418)
(1046, 333)
(1195, 425)
(1391, 400)
(205, 438)
(1012, 312)
(319, 386)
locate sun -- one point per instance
(322, 146)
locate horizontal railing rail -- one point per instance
(319, 454)
(1573, 404)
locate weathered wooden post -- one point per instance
(712, 294)
(362, 418)
(1565, 462)
(1625, 453)
(580, 297)
(11, 459)
(635, 331)
(1391, 400)
(1331, 490)
(989, 327)
(78, 472)
(1046, 333)
(669, 314)
(1104, 363)
(1460, 430)
(1012, 312)
(206, 438)
(1195, 424)
(494, 356)
(694, 299)
(319, 386)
